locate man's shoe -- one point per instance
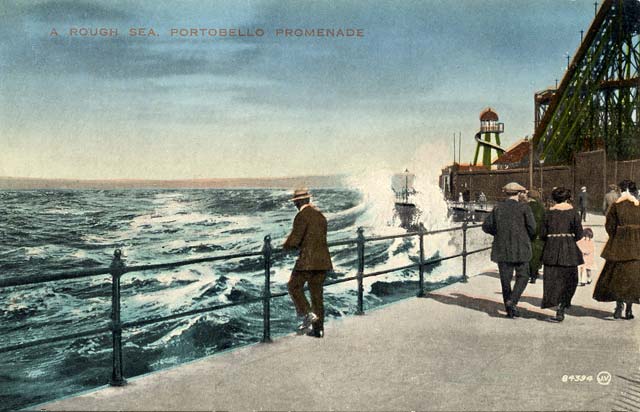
(307, 323)
(512, 311)
(532, 280)
(316, 333)
(629, 313)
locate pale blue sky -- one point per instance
(165, 107)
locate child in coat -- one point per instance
(586, 247)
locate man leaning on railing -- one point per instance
(309, 234)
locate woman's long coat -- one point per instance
(620, 277)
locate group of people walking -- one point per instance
(526, 236)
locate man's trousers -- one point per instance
(506, 274)
(315, 279)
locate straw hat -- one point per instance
(300, 194)
(513, 187)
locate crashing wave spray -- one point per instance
(429, 198)
(374, 185)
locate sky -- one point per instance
(171, 107)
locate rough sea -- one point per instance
(50, 231)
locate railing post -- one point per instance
(465, 278)
(421, 271)
(266, 296)
(117, 270)
(360, 240)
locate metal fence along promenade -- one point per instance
(118, 268)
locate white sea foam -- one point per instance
(170, 299)
(347, 212)
(185, 274)
(177, 331)
(35, 251)
(78, 254)
(163, 218)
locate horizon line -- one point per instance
(34, 183)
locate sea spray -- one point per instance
(374, 185)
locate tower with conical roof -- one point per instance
(490, 129)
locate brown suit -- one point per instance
(309, 234)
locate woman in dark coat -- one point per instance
(620, 277)
(561, 256)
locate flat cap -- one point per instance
(514, 187)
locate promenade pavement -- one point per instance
(453, 350)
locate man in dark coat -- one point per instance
(512, 225)
(309, 235)
(583, 203)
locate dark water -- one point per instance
(53, 231)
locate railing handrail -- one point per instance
(12, 281)
(118, 268)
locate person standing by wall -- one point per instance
(561, 256)
(610, 198)
(309, 235)
(583, 203)
(512, 225)
(619, 280)
(537, 244)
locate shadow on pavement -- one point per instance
(492, 308)
(574, 310)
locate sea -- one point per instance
(52, 231)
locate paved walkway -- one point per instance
(454, 350)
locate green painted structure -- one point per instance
(597, 104)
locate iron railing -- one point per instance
(118, 268)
